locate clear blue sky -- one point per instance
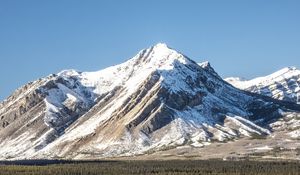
(244, 38)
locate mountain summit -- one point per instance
(157, 100)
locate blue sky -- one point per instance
(246, 38)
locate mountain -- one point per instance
(159, 100)
(283, 84)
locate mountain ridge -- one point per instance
(283, 84)
(158, 99)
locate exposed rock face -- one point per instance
(38, 113)
(283, 84)
(158, 99)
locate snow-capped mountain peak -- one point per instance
(160, 55)
(161, 46)
(205, 64)
(68, 73)
(131, 72)
(283, 84)
(157, 99)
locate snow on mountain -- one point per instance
(235, 81)
(206, 65)
(156, 100)
(283, 84)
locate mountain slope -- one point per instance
(283, 84)
(159, 99)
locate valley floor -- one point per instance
(169, 167)
(274, 147)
